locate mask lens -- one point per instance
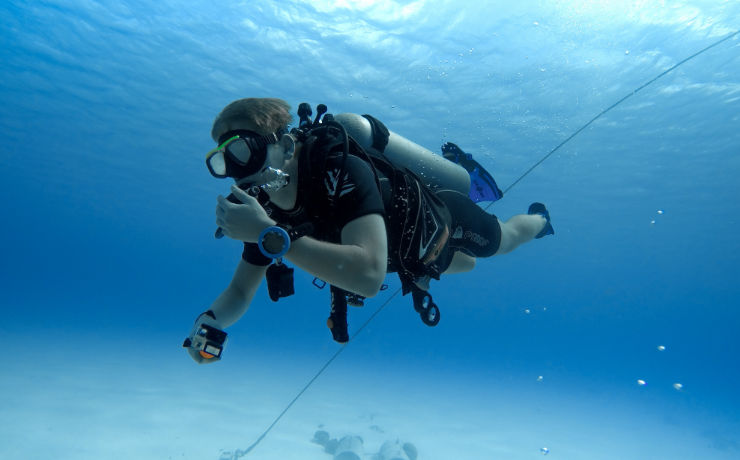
(216, 163)
(239, 150)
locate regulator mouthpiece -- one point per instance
(275, 180)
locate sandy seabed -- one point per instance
(108, 406)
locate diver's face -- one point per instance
(277, 157)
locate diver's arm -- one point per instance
(357, 265)
(235, 299)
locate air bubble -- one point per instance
(677, 386)
(641, 382)
(544, 451)
(661, 347)
(540, 378)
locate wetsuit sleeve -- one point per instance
(359, 194)
(254, 256)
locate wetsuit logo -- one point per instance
(427, 237)
(476, 238)
(434, 234)
(332, 182)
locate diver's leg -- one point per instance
(461, 263)
(480, 234)
(473, 231)
(518, 230)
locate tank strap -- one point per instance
(316, 151)
(380, 133)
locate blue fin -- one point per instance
(482, 185)
(539, 208)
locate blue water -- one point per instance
(108, 217)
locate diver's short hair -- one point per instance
(261, 115)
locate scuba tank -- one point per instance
(435, 171)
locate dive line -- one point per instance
(608, 109)
(240, 453)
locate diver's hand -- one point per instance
(242, 221)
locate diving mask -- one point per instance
(241, 155)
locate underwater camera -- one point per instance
(206, 339)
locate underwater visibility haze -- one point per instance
(616, 338)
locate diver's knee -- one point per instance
(512, 235)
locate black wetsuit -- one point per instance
(359, 196)
(472, 230)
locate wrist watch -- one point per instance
(274, 241)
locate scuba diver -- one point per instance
(348, 201)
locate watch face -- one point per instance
(274, 242)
